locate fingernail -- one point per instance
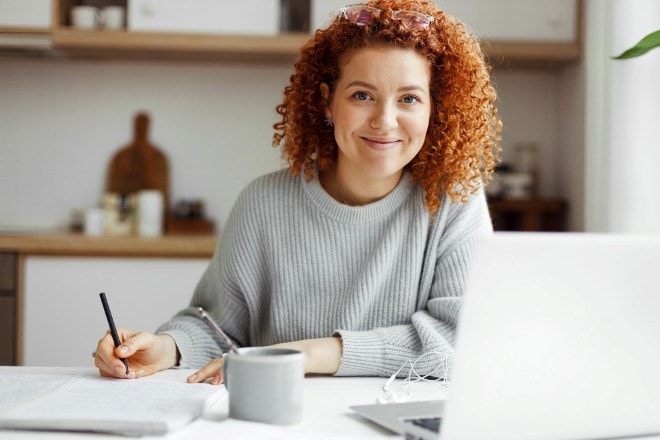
(134, 374)
(121, 371)
(193, 376)
(123, 349)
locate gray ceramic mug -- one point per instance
(265, 384)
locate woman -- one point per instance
(357, 254)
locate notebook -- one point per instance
(557, 339)
(153, 405)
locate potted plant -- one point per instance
(647, 43)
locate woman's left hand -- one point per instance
(212, 371)
(322, 356)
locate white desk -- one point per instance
(326, 412)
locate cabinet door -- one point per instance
(508, 20)
(517, 20)
(25, 13)
(63, 317)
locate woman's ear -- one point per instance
(325, 94)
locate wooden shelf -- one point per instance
(67, 244)
(67, 42)
(511, 54)
(283, 48)
(123, 44)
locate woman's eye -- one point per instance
(410, 99)
(361, 96)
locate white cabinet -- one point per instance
(501, 20)
(518, 20)
(252, 17)
(25, 13)
(62, 314)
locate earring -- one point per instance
(328, 121)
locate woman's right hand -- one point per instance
(145, 353)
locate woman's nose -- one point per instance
(384, 118)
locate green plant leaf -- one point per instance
(647, 43)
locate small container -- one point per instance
(94, 222)
(527, 163)
(150, 210)
(517, 186)
(119, 211)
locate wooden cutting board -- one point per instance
(139, 165)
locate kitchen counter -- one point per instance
(70, 244)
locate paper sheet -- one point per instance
(92, 403)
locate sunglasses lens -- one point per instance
(364, 15)
(360, 14)
(414, 19)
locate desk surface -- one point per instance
(326, 412)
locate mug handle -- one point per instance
(225, 370)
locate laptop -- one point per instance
(558, 339)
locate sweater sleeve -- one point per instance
(219, 295)
(196, 342)
(428, 341)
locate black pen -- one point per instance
(111, 323)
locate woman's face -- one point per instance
(381, 108)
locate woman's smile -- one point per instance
(381, 143)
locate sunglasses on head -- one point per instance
(363, 15)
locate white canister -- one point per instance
(517, 186)
(113, 17)
(94, 221)
(85, 17)
(150, 208)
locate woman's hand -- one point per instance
(322, 356)
(145, 353)
(212, 370)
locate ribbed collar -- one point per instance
(375, 211)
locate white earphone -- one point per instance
(390, 395)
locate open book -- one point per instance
(152, 405)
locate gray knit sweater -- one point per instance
(294, 264)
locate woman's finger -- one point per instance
(108, 358)
(106, 361)
(212, 370)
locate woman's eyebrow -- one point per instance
(366, 85)
(369, 86)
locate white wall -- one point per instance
(622, 119)
(61, 122)
(528, 105)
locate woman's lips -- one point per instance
(381, 144)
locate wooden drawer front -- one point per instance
(7, 274)
(7, 331)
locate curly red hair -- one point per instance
(461, 148)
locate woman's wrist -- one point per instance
(326, 355)
(171, 356)
(322, 355)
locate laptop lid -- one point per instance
(558, 339)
